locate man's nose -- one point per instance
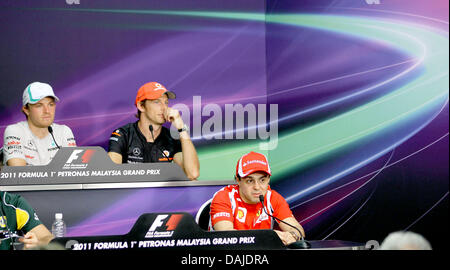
(46, 108)
(257, 185)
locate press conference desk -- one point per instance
(100, 199)
(178, 231)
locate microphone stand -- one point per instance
(299, 244)
(50, 130)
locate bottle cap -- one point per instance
(58, 216)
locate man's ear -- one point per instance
(140, 106)
(26, 110)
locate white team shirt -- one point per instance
(20, 142)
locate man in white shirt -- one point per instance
(36, 140)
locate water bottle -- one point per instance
(58, 226)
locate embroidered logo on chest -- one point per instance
(136, 151)
(260, 216)
(241, 214)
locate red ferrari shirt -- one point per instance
(228, 205)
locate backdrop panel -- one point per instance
(349, 99)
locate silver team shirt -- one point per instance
(19, 142)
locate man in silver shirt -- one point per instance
(36, 140)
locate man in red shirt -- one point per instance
(238, 207)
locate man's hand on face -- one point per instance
(173, 116)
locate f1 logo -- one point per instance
(170, 225)
(74, 156)
(84, 159)
(158, 222)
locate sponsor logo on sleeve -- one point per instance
(221, 214)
